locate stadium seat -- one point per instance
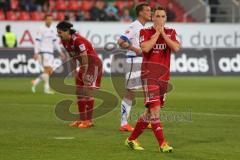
(14, 4)
(24, 16)
(86, 5)
(61, 5)
(52, 4)
(60, 16)
(73, 5)
(2, 15)
(11, 15)
(120, 4)
(37, 16)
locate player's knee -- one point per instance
(130, 94)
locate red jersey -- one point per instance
(79, 44)
(159, 54)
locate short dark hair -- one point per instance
(66, 26)
(8, 28)
(140, 7)
(159, 8)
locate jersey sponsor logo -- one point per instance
(82, 47)
(161, 46)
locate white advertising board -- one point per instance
(192, 35)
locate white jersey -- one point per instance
(132, 34)
(46, 40)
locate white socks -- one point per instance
(37, 80)
(45, 78)
(125, 110)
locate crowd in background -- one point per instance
(100, 10)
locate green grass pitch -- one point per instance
(202, 123)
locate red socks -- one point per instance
(157, 130)
(89, 108)
(139, 128)
(85, 108)
(82, 108)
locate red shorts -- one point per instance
(154, 92)
(94, 75)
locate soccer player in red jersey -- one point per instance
(157, 42)
(89, 75)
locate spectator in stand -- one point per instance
(70, 16)
(126, 16)
(79, 16)
(112, 13)
(4, 5)
(86, 16)
(171, 16)
(98, 13)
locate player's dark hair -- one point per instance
(159, 8)
(140, 7)
(66, 26)
(8, 28)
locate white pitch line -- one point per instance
(64, 138)
(194, 113)
(206, 114)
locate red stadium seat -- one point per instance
(37, 16)
(86, 5)
(73, 5)
(60, 16)
(52, 4)
(2, 15)
(24, 16)
(14, 4)
(61, 5)
(11, 15)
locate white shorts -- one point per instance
(47, 60)
(133, 73)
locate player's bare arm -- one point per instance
(148, 45)
(175, 46)
(74, 66)
(84, 67)
(126, 45)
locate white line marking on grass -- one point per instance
(208, 114)
(51, 105)
(64, 138)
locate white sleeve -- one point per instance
(38, 40)
(57, 45)
(129, 33)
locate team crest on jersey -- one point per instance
(82, 47)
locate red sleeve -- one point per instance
(79, 46)
(174, 36)
(144, 36)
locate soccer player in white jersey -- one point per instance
(45, 44)
(130, 41)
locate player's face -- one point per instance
(146, 13)
(160, 17)
(48, 20)
(63, 35)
